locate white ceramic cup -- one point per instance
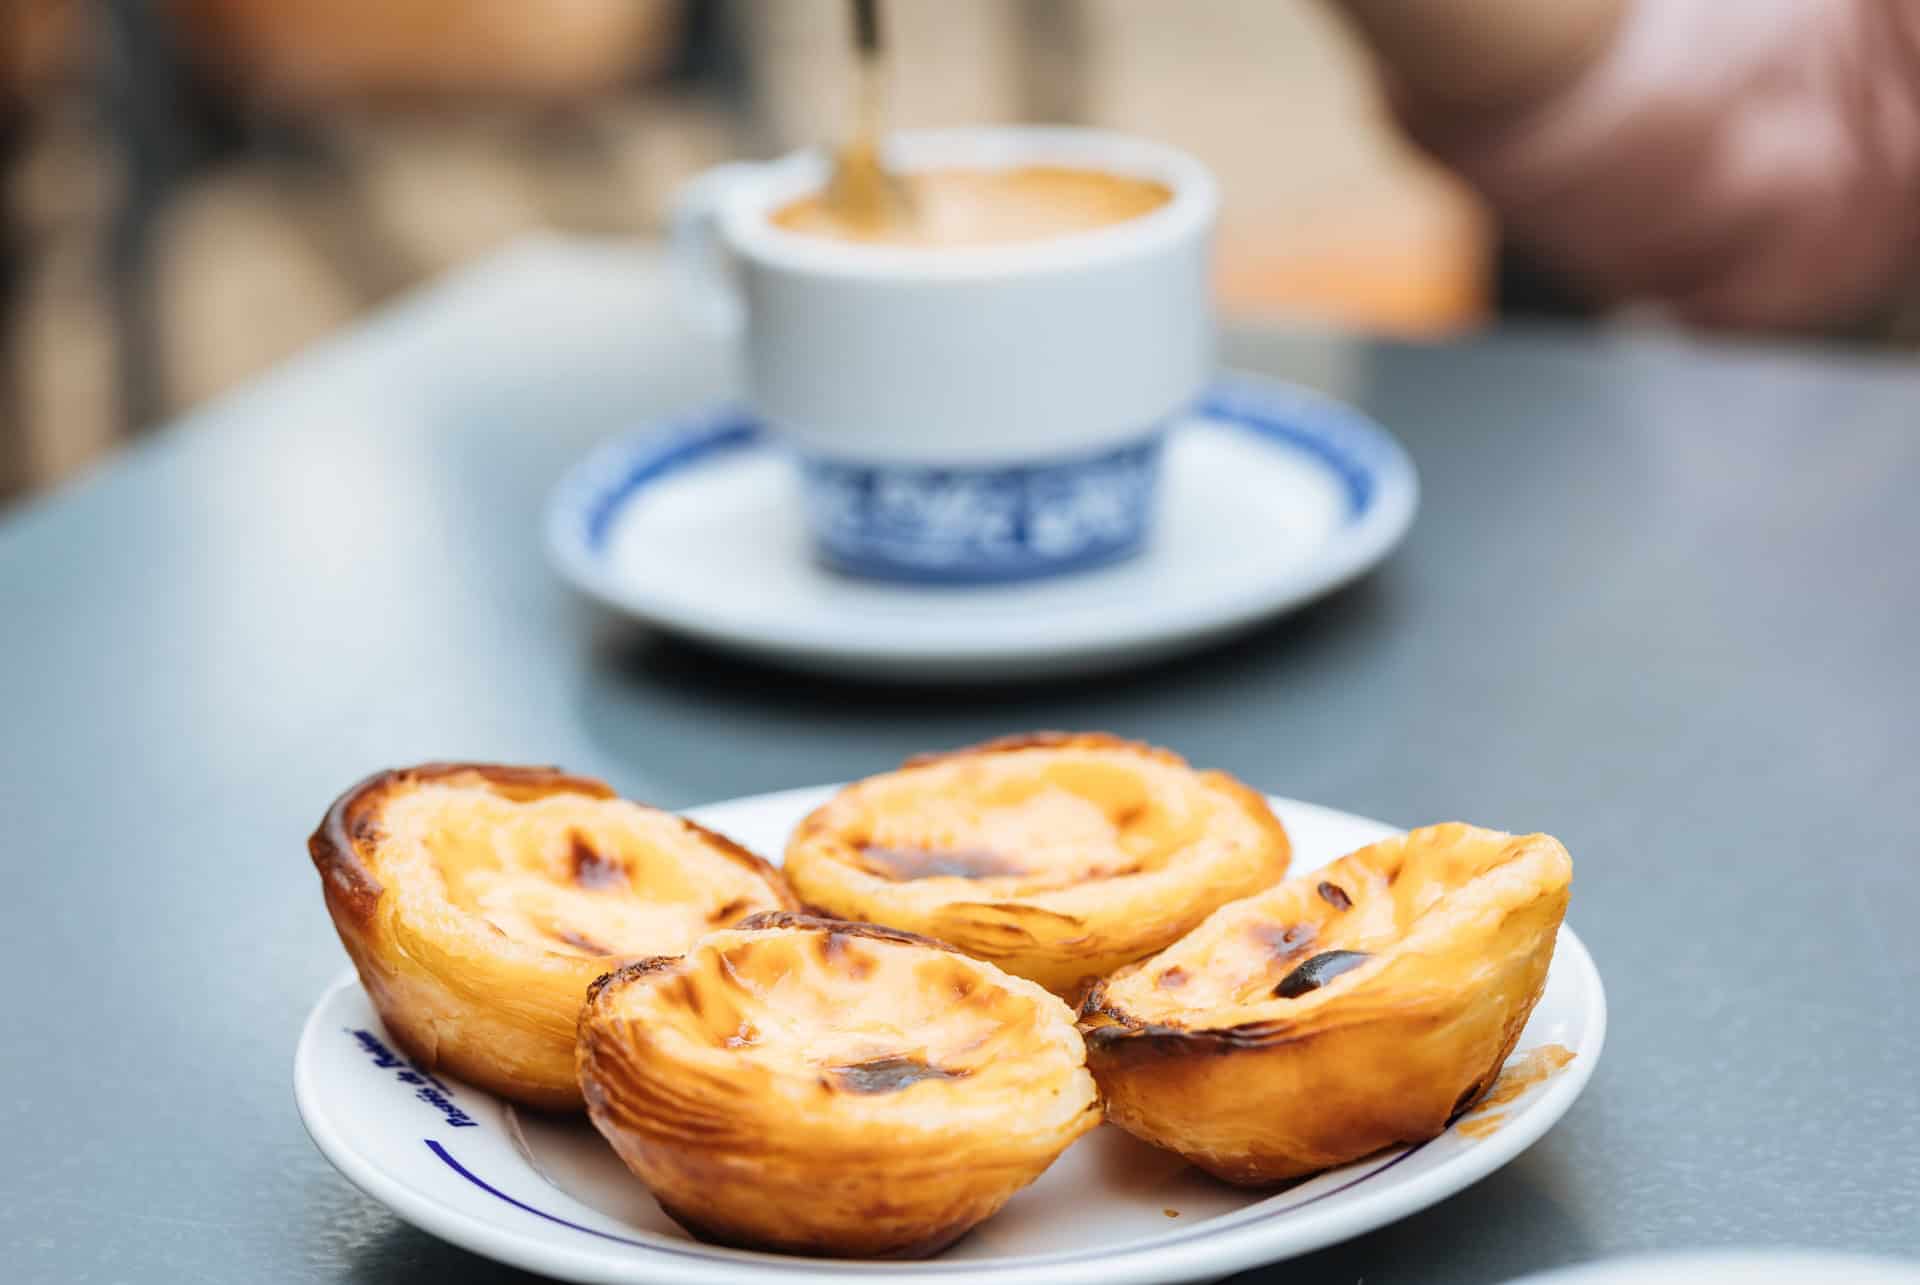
(965, 413)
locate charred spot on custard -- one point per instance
(1283, 940)
(1334, 895)
(906, 864)
(889, 1074)
(1173, 978)
(837, 953)
(1318, 971)
(581, 942)
(966, 988)
(592, 870)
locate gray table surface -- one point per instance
(1661, 601)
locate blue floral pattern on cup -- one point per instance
(909, 522)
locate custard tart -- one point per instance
(479, 902)
(1361, 1005)
(1057, 856)
(813, 1086)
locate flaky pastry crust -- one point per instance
(1364, 1004)
(1057, 856)
(479, 901)
(818, 1087)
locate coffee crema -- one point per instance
(960, 207)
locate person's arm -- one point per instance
(1753, 164)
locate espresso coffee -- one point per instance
(959, 207)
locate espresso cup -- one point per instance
(965, 412)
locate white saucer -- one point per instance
(547, 1194)
(1273, 495)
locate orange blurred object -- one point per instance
(1415, 272)
(306, 53)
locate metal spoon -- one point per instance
(862, 191)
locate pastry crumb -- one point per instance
(1171, 1213)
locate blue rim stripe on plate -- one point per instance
(1209, 1228)
(1349, 444)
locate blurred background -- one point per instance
(193, 190)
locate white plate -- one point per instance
(1272, 496)
(545, 1193)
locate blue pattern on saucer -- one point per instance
(961, 525)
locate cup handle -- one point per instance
(703, 272)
